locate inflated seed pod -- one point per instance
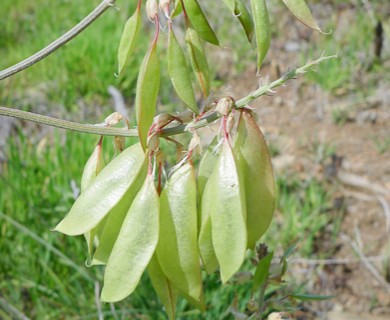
(178, 72)
(163, 286)
(148, 85)
(262, 29)
(199, 21)
(135, 245)
(223, 199)
(92, 168)
(205, 242)
(113, 222)
(104, 193)
(177, 249)
(301, 11)
(255, 167)
(238, 8)
(129, 38)
(94, 165)
(195, 49)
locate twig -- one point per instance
(288, 76)
(97, 301)
(374, 198)
(386, 211)
(367, 263)
(58, 43)
(68, 125)
(113, 311)
(356, 181)
(95, 129)
(12, 311)
(334, 261)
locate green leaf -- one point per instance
(254, 163)
(129, 38)
(135, 245)
(310, 297)
(262, 272)
(163, 287)
(104, 193)
(199, 21)
(148, 85)
(239, 9)
(178, 71)
(177, 249)
(114, 220)
(205, 242)
(223, 200)
(262, 29)
(301, 11)
(195, 48)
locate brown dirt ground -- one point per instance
(298, 120)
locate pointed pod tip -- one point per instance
(110, 297)
(60, 228)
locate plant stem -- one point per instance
(58, 43)
(96, 129)
(261, 300)
(68, 125)
(288, 76)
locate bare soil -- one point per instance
(352, 154)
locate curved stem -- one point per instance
(68, 125)
(288, 76)
(58, 43)
(96, 129)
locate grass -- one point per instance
(84, 68)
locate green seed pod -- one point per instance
(113, 222)
(301, 11)
(178, 72)
(94, 165)
(135, 245)
(177, 249)
(262, 29)
(92, 168)
(255, 166)
(148, 85)
(104, 193)
(195, 48)
(205, 242)
(199, 21)
(223, 200)
(164, 288)
(129, 38)
(238, 8)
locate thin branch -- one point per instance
(58, 43)
(101, 130)
(334, 261)
(370, 267)
(11, 310)
(68, 125)
(277, 83)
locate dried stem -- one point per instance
(96, 129)
(58, 43)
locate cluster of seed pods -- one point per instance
(204, 218)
